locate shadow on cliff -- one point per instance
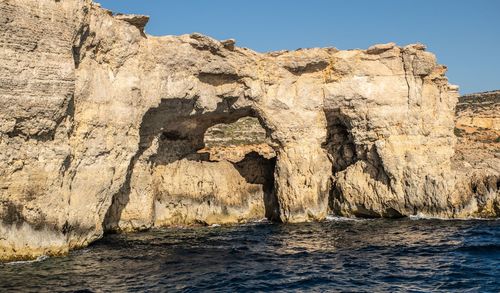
(343, 152)
(256, 169)
(175, 130)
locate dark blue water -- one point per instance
(339, 255)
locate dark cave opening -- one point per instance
(257, 169)
(341, 150)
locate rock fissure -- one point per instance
(406, 77)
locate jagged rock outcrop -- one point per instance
(103, 127)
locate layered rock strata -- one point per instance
(477, 157)
(103, 127)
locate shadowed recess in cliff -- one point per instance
(153, 123)
(339, 142)
(343, 152)
(256, 169)
(171, 134)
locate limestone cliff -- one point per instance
(102, 127)
(477, 157)
(478, 131)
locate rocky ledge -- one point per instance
(105, 128)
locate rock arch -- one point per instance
(174, 180)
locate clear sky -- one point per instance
(465, 35)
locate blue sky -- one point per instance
(465, 35)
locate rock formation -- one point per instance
(103, 127)
(477, 156)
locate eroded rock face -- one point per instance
(104, 127)
(478, 131)
(477, 157)
(37, 98)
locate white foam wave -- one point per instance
(20, 262)
(332, 218)
(426, 217)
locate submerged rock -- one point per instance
(105, 128)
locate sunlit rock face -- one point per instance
(106, 128)
(477, 156)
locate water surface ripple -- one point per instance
(338, 255)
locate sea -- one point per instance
(336, 255)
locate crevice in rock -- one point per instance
(374, 166)
(339, 142)
(405, 70)
(80, 38)
(310, 67)
(482, 187)
(256, 169)
(218, 79)
(343, 152)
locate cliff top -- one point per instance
(483, 97)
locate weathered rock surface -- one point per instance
(477, 157)
(478, 132)
(103, 128)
